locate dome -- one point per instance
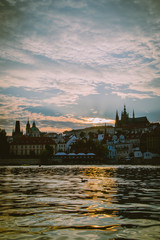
(35, 129)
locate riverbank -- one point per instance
(19, 162)
(33, 161)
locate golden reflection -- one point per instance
(102, 189)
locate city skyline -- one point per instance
(71, 64)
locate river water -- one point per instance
(80, 202)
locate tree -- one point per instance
(91, 135)
(46, 154)
(49, 149)
(82, 134)
(4, 145)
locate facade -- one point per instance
(61, 146)
(111, 150)
(150, 141)
(30, 146)
(69, 143)
(130, 123)
(147, 155)
(134, 138)
(137, 154)
(123, 150)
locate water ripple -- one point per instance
(113, 202)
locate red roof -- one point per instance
(33, 141)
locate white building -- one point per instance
(71, 141)
(111, 150)
(100, 137)
(61, 146)
(123, 150)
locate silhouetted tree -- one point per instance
(4, 145)
(82, 134)
(46, 154)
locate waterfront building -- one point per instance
(30, 146)
(147, 155)
(111, 147)
(61, 146)
(137, 153)
(150, 141)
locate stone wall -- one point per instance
(19, 162)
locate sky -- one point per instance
(70, 64)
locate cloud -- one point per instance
(56, 54)
(132, 95)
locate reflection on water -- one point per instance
(80, 202)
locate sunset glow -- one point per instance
(100, 121)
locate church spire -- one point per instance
(28, 128)
(105, 132)
(117, 118)
(34, 124)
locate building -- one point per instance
(70, 142)
(32, 131)
(134, 138)
(61, 146)
(123, 150)
(17, 132)
(111, 147)
(130, 123)
(147, 156)
(30, 146)
(137, 153)
(150, 141)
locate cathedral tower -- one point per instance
(124, 115)
(133, 115)
(28, 128)
(117, 119)
(17, 132)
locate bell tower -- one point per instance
(28, 128)
(124, 116)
